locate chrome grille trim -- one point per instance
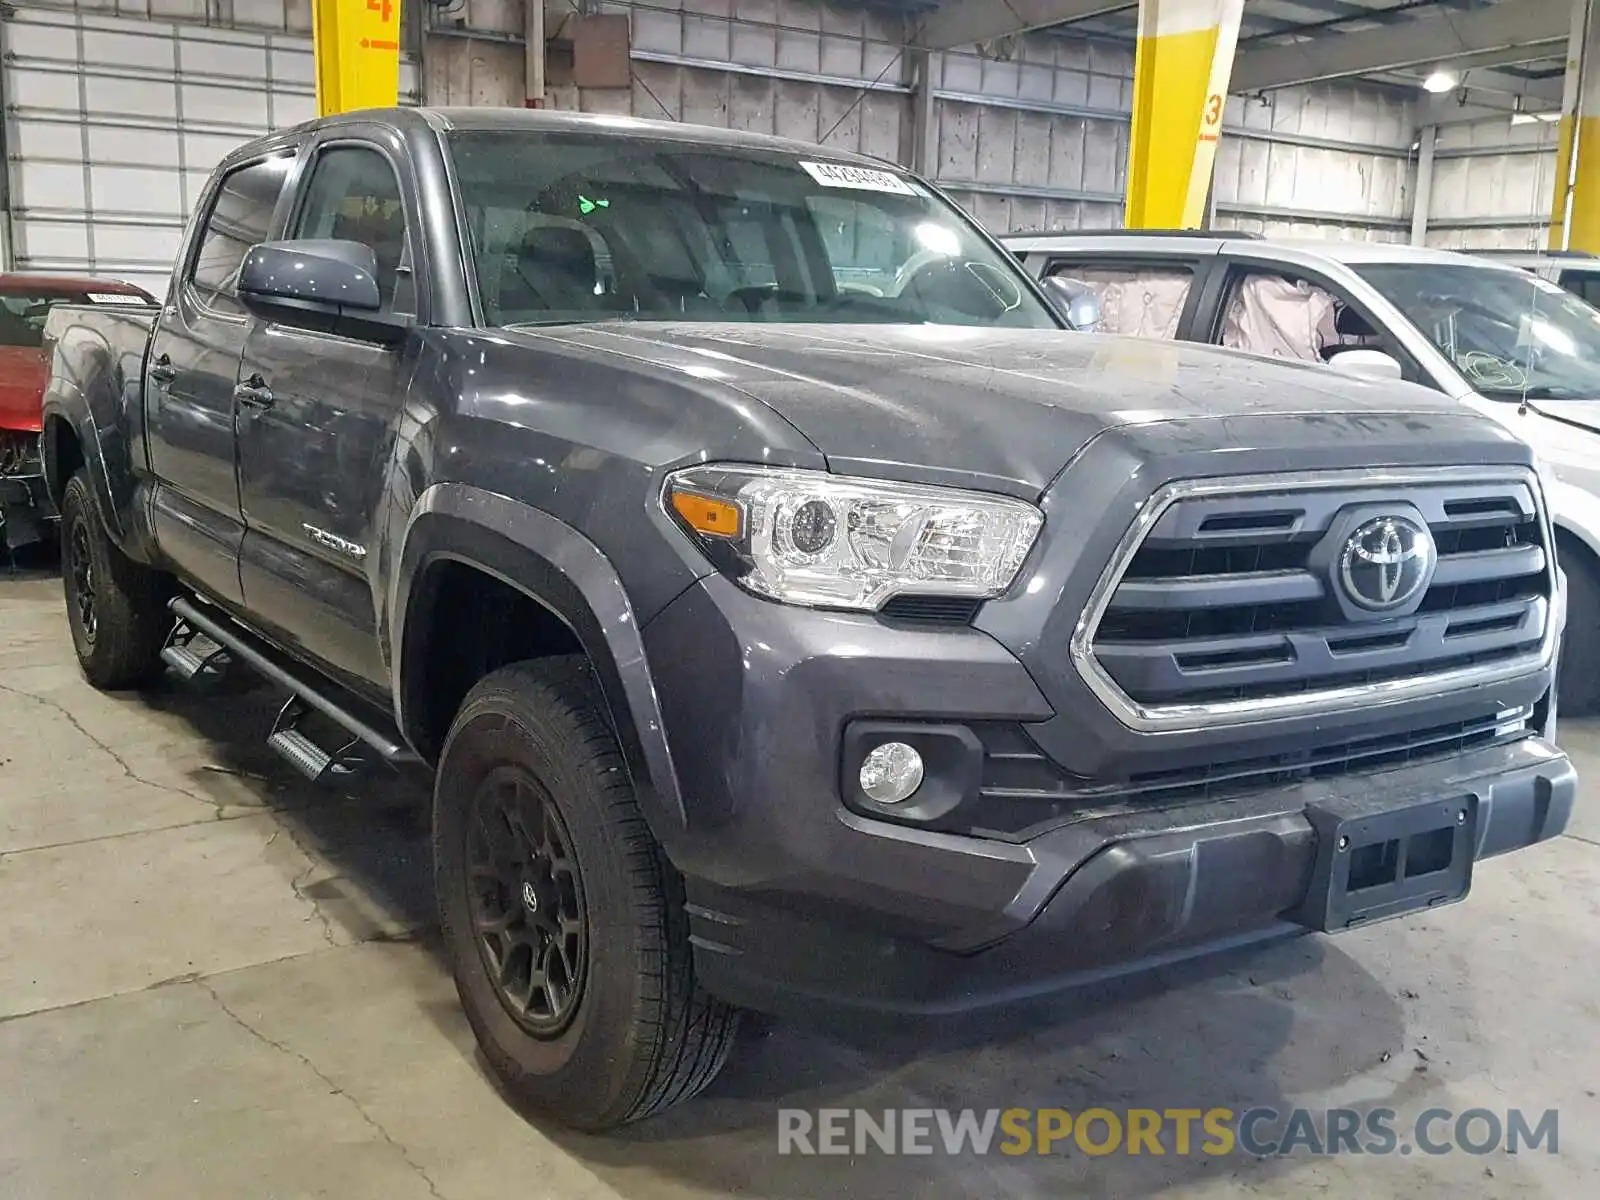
(1158, 718)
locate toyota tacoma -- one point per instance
(790, 610)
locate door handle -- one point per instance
(254, 393)
(162, 370)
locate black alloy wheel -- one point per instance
(80, 568)
(526, 896)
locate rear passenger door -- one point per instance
(194, 359)
(1141, 295)
(317, 423)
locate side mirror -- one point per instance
(1367, 364)
(318, 283)
(1074, 301)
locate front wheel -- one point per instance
(116, 608)
(562, 919)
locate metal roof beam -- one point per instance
(1429, 36)
(962, 22)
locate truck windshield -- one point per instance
(1513, 335)
(575, 227)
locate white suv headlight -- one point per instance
(808, 537)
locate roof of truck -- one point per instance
(508, 120)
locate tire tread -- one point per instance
(683, 1036)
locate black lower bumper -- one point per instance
(1117, 893)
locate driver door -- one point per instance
(317, 417)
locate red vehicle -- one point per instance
(25, 509)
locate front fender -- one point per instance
(1575, 510)
(555, 565)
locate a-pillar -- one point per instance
(1180, 89)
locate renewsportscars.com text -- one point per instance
(1262, 1132)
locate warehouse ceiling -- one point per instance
(1513, 50)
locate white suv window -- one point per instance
(1279, 316)
(1141, 301)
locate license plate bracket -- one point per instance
(1375, 863)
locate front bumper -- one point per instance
(796, 898)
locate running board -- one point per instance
(286, 739)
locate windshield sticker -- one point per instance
(116, 298)
(861, 179)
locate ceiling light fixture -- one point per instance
(1440, 81)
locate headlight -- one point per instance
(807, 537)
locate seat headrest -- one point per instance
(1350, 323)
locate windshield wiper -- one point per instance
(1543, 392)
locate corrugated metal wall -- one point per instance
(1036, 140)
(114, 120)
(1492, 186)
(1325, 161)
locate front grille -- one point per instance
(1236, 597)
(1023, 791)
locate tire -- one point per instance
(618, 1029)
(1578, 675)
(116, 608)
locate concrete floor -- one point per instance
(217, 981)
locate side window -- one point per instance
(1135, 300)
(354, 196)
(1585, 284)
(240, 216)
(1281, 316)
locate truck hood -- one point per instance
(1003, 409)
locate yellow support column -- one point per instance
(1575, 217)
(1180, 88)
(357, 45)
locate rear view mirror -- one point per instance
(318, 283)
(1074, 301)
(1367, 364)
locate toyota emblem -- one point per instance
(1387, 563)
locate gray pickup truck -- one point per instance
(791, 611)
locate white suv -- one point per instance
(1508, 341)
(1575, 270)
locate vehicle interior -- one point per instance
(668, 234)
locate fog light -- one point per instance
(891, 773)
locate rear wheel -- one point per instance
(562, 919)
(116, 608)
(1578, 676)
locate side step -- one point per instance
(306, 700)
(180, 654)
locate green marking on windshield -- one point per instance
(587, 206)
